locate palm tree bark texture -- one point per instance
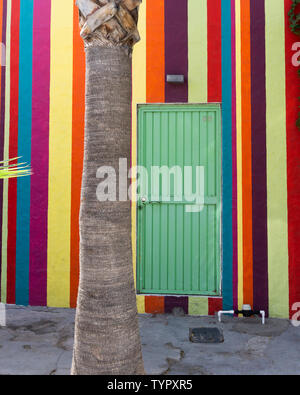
(107, 338)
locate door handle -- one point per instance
(142, 201)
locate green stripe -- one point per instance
(276, 160)
(198, 306)
(197, 51)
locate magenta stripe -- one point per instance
(2, 120)
(234, 163)
(40, 153)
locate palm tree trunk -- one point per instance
(107, 339)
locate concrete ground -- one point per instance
(39, 341)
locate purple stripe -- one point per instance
(176, 48)
(40, 153)
(2, 124)
(259, 173)
(172, 302)
(234, 164)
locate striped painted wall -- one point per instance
(237, 52)
(42, 120)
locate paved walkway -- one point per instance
(39, 341)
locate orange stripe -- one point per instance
(246, 152)
(77, 153)
(155, 51)
(154, 304)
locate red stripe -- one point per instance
(77, 153)
(214, 51)
(293, 165)
(214, 305)
(13, 152)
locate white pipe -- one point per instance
(263, 316)
(224, 312)
(262, 313)
(2, 315)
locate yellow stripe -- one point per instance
(197, 51)
(198, 306)
(138, 96)
(140, 302)
(5, 157)
(239, 152)
(60, 153)
(276, 159)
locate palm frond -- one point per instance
(11, 169)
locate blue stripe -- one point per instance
(227, 155)
(24, 151)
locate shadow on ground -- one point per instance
(40, 340)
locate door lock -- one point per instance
(142, 202)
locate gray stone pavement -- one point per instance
(39, 341)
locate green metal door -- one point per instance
(179, 203)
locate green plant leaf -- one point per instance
(9, 169)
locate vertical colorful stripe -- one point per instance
(234, 52)
(214, 51)
(40, 153)
(278, 267)
(234, 163)
(3, 269)
(139, 89)
(60, 153)
(24, 151)
(227, 154)
(293, 167)
(176, 48)
(259, 155)
(2, 104)
(246, 151)
(155, 66)
(197, 40)
(239, 170)
(77, 152)
(10, 295)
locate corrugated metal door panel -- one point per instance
(179, 251)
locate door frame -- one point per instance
(217, 107)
